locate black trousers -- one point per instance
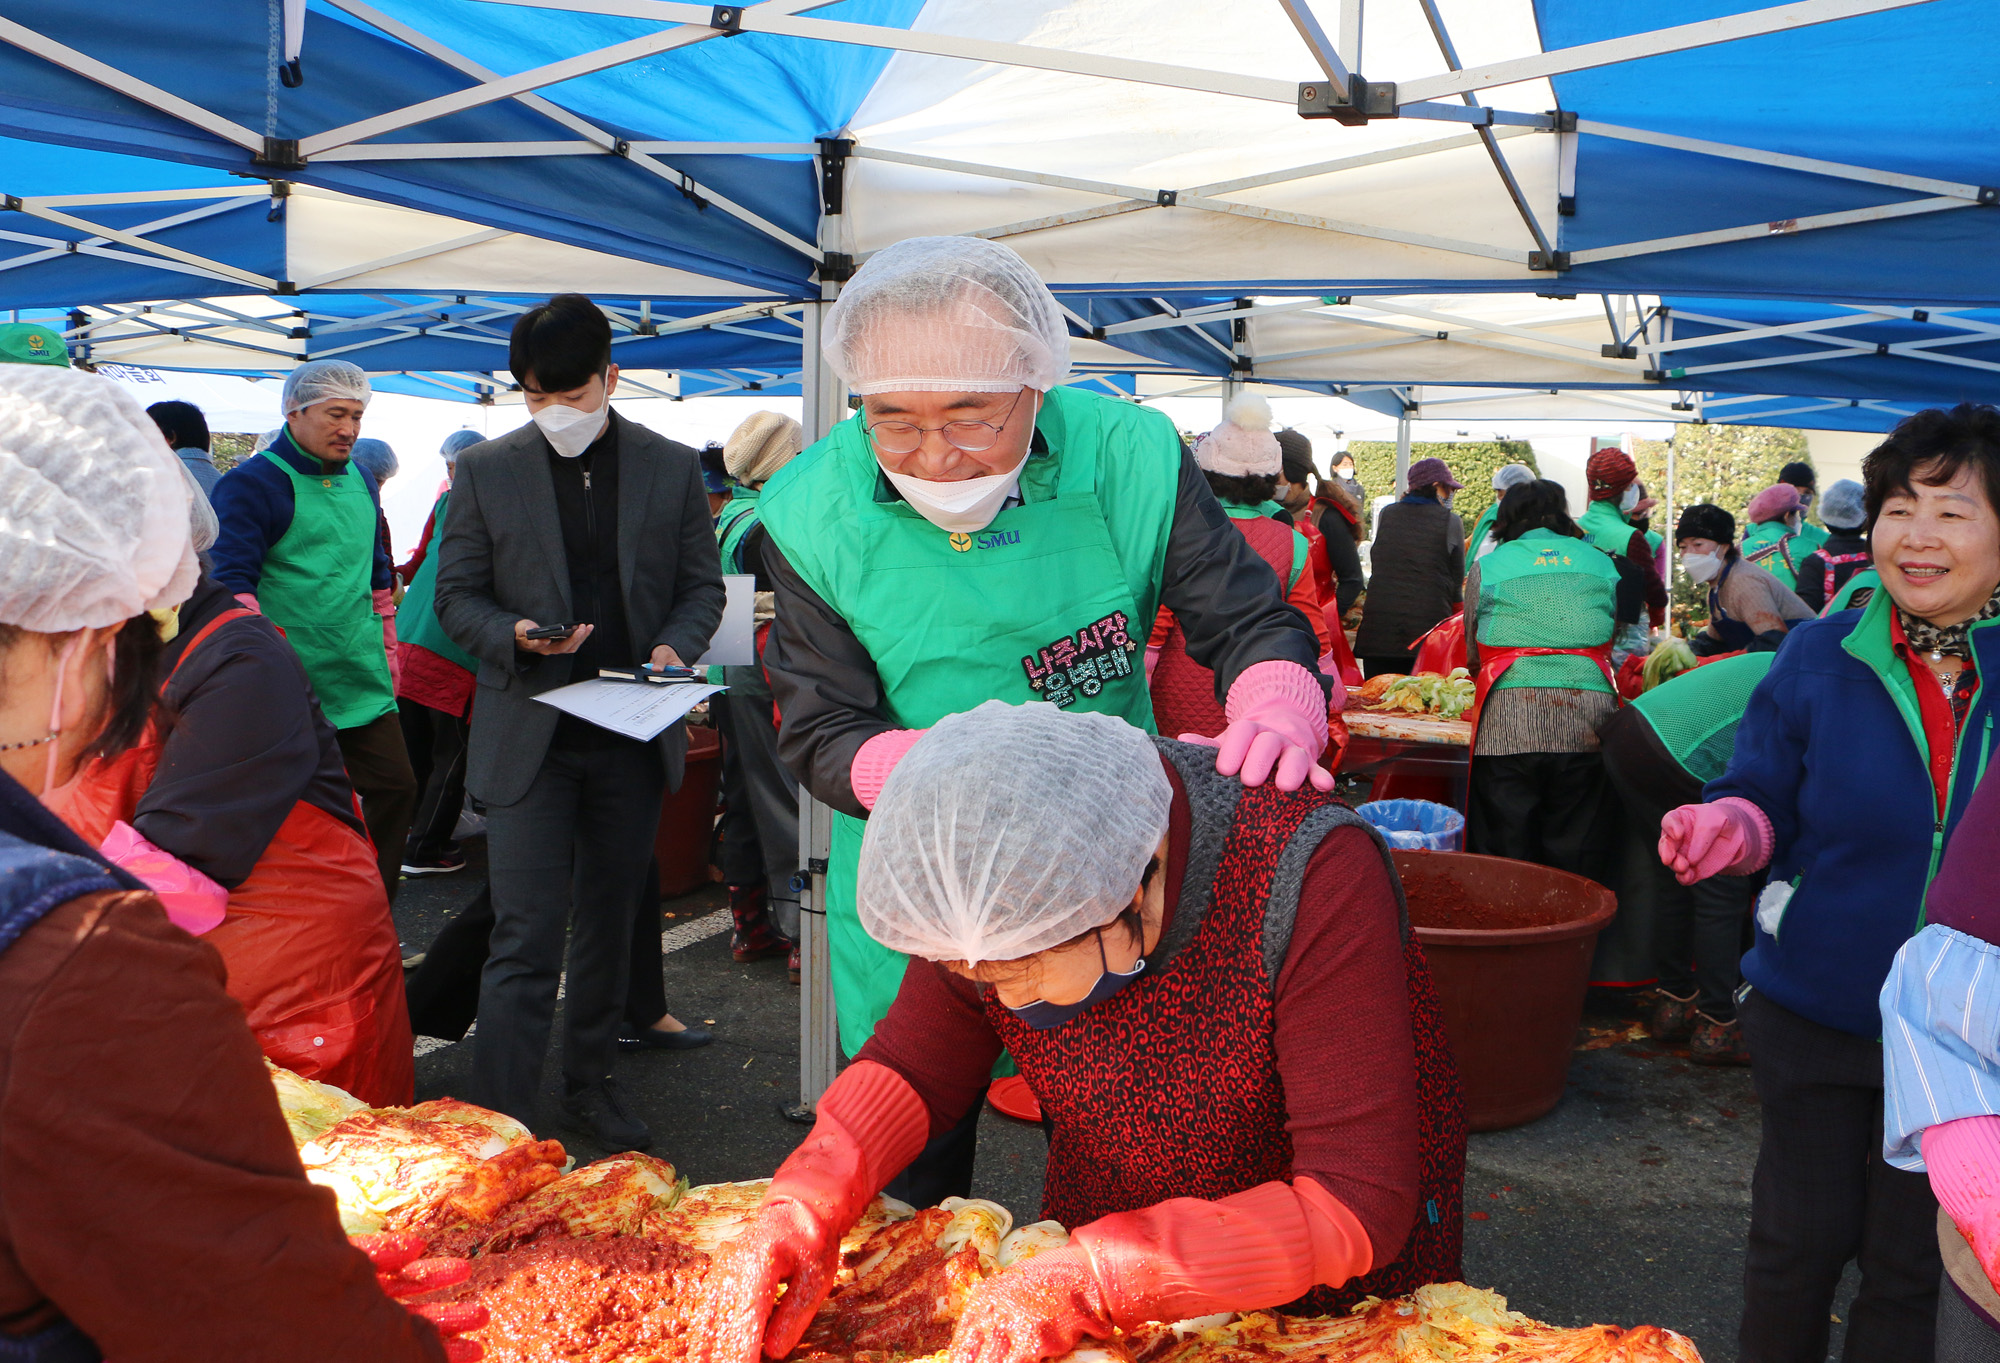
(1544, 807)
(436, 743)
(738, 853)
(378, 765)
(443, 992)
(1697, 929)
(766, 787)
(1823, 1195)
(566, 860)
(1375, 664)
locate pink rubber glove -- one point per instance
(1730, 836)
(249, 599)
(194, 903)
(1336, 700)
(1152, 661)
(1181, 1258)
(1964, 1162)
(870, 1124)
(1277, 723)
(876, 759)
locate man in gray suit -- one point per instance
(578, 518)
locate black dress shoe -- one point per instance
(653, 1039)
(601, 1112)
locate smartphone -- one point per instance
(552, 632)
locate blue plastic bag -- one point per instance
(1418, 825)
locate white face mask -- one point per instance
(570, 429)
(962, 507)
(1629, 498)
(1701, 567)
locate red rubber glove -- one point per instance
(876, 759)
(403, 1272)
(1036, 1310)
(870, 1124)
(1277, 726)
(1730, 836)
(1963, 1158)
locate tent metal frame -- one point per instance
(1425, 97)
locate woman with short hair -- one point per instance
(1748, 609)
(1856, 758)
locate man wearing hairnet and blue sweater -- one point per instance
(299, 542)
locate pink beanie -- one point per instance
(1242, 446)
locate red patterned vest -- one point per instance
(1183, 690)
(1170, 1088)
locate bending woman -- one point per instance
(1289, 1130)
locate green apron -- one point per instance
(1775, 547)
(1544, 590)
(416, 618)
(317, 585)
(738, 518)
(1052, 602)
(1695, 714)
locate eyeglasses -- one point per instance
(973, 437)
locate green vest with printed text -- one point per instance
(1545, 590)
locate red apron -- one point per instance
(308, 942)
(1495, 660)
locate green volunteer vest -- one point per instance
(738, 518)
(1696, 713)
(317, 585)
(1606, 528)
(1051, 602)
(416, 617)
(1653, 542)
(1545, 590)
(1811, 537)
(1843, 599)
(1775, 548)
(1301, 549)
(1481, 526)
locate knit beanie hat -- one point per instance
(1705, 521)
(1842, 507)
(1610, 472)
(763, 444)
(1242, 446)
(1295, 454)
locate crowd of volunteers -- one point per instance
(1071, 685)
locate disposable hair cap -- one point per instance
(318, 381)
(946, 315)
(1842, 506)
(1009, 829)
(94, 508)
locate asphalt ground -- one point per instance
(1629, 1204)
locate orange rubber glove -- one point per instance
(871, 1124)
(1180, 1258)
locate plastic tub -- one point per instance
(1509, 944)
(687, 817)
(1417, 825)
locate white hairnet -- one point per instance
(377, 457)
(458, 442)
(1843, 506)
(1009, 829)
(318, 381)
(93, 505)
(1512, 476)
(266, 440)
(946, 315)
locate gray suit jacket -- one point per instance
(502, 560)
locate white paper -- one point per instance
(640, 710)
(735, 641)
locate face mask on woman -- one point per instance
(1701, 567)
(1629, 498)
(1043, 1015)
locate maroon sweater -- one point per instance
(1343, 1041)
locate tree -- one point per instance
(1723, 465)
(1472, 462)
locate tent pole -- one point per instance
(1403, 452)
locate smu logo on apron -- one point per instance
(1098, 653)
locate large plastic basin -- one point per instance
(1509, 945)
(687, 817)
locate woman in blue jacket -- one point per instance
(1854, 762)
